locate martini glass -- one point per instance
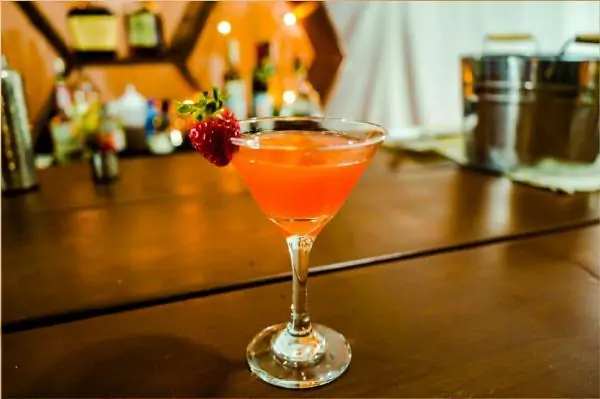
(300, 170)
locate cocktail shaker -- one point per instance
(18, 164)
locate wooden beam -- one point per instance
(183, 43)
(41, 23)
(328, 54)
(190, 28)
(315, 20)
(186, 74)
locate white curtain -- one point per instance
(402, 59)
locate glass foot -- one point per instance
(283, 360)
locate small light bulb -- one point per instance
(224, 27)
(289, 18)
(289, 96)
(176, 137)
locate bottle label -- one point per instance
(66, 142)
(120, 139)
(63, 98)
(143, 30)
(62, 133)
(94, 32)
(112, 128)
(236, 89)
(263, 105)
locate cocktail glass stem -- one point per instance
(299, 247)
(298, 344)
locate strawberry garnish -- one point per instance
(213, 128)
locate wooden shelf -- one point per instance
(164, 58)
(183, 43)
(315, 21)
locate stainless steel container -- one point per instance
(521, 109)
(18, 163)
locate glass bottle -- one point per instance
(62, 124)
(102, 146)
(262, 101)
(93, 30)
(87, 107)
(304, 99)
(235, 87)
(144, 29)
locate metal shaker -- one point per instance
(18, 163)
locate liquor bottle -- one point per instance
(102, 145)
(151, 118)
(144, 29)
(63, 93)
(157, 128)
(164, 121)
(93, 29)
(111, 123)
(235, 87)
(86, 108)
(304, 99)
(132, 108)
(262, 101)
(62, 124)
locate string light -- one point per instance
(224, 27)
(289, 18)
(289, 96)
(176, 137)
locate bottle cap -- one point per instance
(263, 50)
(165, 105)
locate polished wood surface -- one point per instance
(162, 177)
(580, 246)
(177, 225)
(516, 320)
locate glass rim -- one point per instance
(247, 139)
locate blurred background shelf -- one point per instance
(194, 50)
(195, 15)
(164, 58)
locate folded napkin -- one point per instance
(548, 174)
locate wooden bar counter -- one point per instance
(176, 227)
(516, 319)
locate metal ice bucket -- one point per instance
(522, 109)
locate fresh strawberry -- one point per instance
(214, 126)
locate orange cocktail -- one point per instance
(300, 171)
(300, 179)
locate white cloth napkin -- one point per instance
(548, 174)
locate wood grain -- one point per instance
(508, 320)
(70, 187)
(176, 225)
(581, 246)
